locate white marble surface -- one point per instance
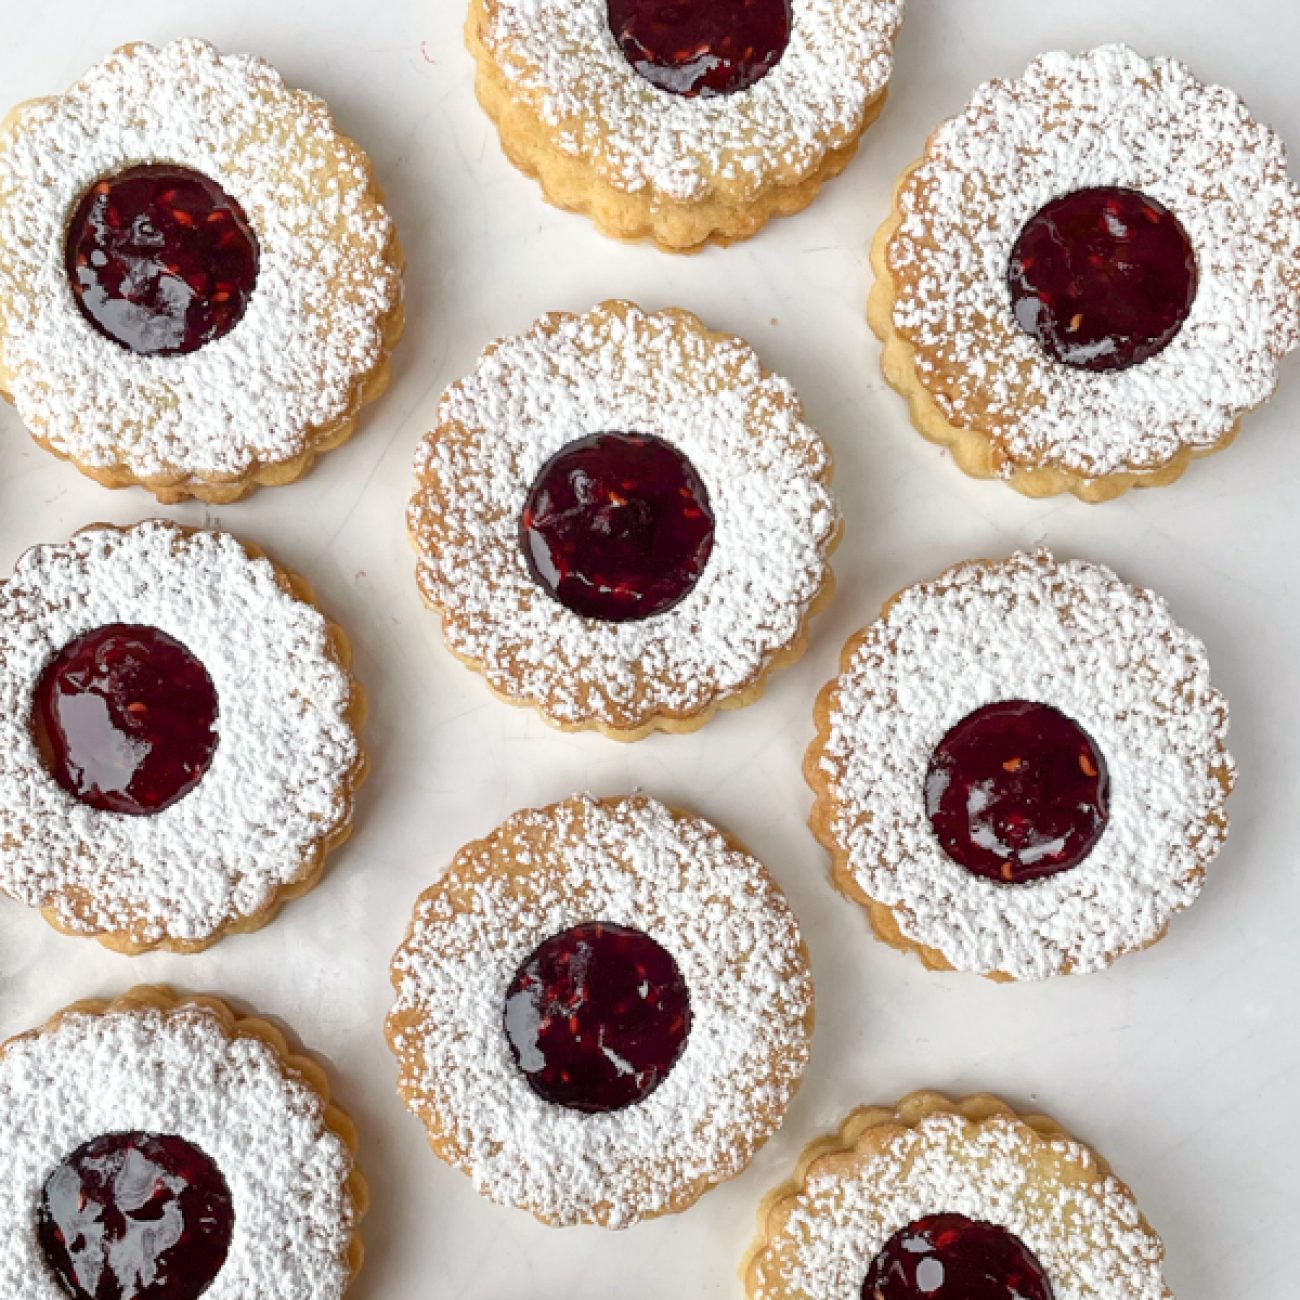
(1179, 1064)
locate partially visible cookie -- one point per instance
(1091, 275)
(178, 736)
(603, 1010)
(199, 283)
(953, 1200)
(1022, 768)
(166, 1145)
(624, 520)
(686, 124)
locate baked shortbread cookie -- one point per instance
(178, 736)
(1091, 275)
(603, 1010)
(1021, 769)
(682, 123)
(199, 283)
(953, 1200)
(159, 1148)
(624, 521)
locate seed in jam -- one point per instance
(1103, 279)
(135, 1216)
(1017, 791)
(597, 1017)
(125, 719)
(951, 1257)
(618, 527)
(161, 260)
(701, 47)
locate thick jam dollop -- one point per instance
(125, 718)
(1017, 791)
(951, 1257)
(618, 527)
(135, 1216)
(701, 47)
(597, 1017)
(1103, 278)
(161, 259)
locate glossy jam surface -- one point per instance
(618, 527)
(597, 1017)
(135, 1216)
(125, 718)
(701, 47)
(951, 1257)
(1017, 791)
(161, 260)
(1103, 279)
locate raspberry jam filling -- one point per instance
(951, 1257)
(1017, 791)
(618, 527)
(135, 1216)
(701, 47)
(161, 260)
(125, 718)
(597, 1017)
(1103, 278)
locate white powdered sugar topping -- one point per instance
(179, 1074)
(561, 57)
(1106, 118)
(326, 281)
(1108, 656)
(280, 781)
(633, 863)
(619, 369)
(1083, 1227)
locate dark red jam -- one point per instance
(1017, 791)
(951, 1257)
(1103, 278)
(597, 1017)
(701, 47)
(618, 527)
(161, 259)
(135, 1216)
(125, 718)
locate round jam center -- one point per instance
(1017, 791)
(618, 527)
(161, 260)
(597, 1017)
(125, 718)
(1103, 278)
(701, 47)
(951, 1257)
(135, 1216)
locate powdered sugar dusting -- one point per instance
(1084, 1228)
(628, 862)
(562, 59)
(619, 369)
(326, 282)
(1108, 656)
(280, 779)
(1106, 118)
(179, 1073)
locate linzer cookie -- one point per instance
(163, 1148)
(682, 123)
(603, 1010)
(624, 520)
(941, 1200)
(199, 283)
(1091, 275)
(1021, 769)
(178, 736)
